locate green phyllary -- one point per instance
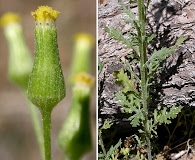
(46, 85)
(75, 137)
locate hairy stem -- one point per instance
(46, 116)
(37, 127)
(143, 69)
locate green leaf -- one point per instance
(165, 115)
(137, 118)
(117, 34)
(131, 16)
(152, 128)
(139, 141)
(180, 40)
(156, 58)
(107, 124)
(159, 56)
(130, 102)
(150, 38)
(122, 99)
(113, 149)
(100, 156)
(123, 79)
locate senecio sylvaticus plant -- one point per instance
(135, 93)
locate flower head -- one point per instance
(45, 14)
(9, 17)
(84, 39)
(84, 79)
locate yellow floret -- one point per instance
(84, 78)
(44, 13)
(9, 17)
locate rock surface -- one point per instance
(168, 20)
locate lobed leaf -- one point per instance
(159, 56)
(122, 79)
(165, 116)
(107, 124)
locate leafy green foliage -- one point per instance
(117, 34)
(156, 58)
(107, 124)
(135, 88)
(122, 79)
(165, 116)
(112, 154)
(129, 97)
(159, 56)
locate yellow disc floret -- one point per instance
(44, 13)
(84, 79)
(9, 17)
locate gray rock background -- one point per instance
(168, 20)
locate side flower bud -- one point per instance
(83, 44)
(75, 137)
(20, 60)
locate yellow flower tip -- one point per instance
(84, 38)
(9, 17)
(84, 79)
(44, 13)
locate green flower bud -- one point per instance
(83, 44)
(20, 65)
(20, 60)
(46, 85)
(75, 136)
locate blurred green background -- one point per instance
(17, 139)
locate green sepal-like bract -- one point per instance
(46, 83)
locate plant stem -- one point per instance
(37, 127)
(46, 116)
(144, 73)
(102, 143)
